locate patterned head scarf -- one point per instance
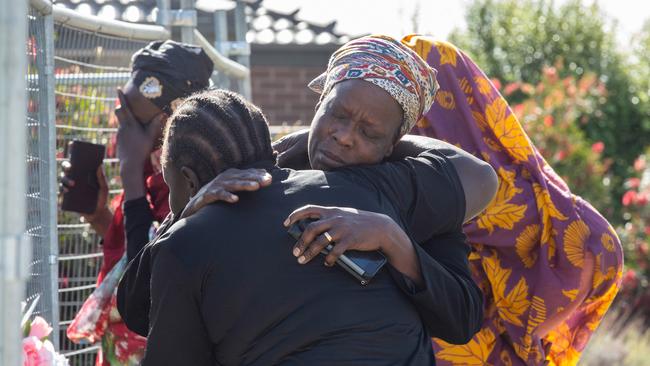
(387, 63)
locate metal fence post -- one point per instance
(187, 29)
(163, 17)
(48, 153)
(221, 44)
(243, 53)
(14, 249)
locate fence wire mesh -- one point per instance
(89, 67)
(39, 161)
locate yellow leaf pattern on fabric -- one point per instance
(521, 349)
(445, 99)
(474, 353)
(420, 45)
(548, 210)
(515, 303)
(599, 306)
(571, 294)
(551, 248)
(599, 276)
(575, 236)
(465, 85)
(526, 244)
(508, 130)
(492, 144)
(483, 84)
(562, 352)
(480, 120)
(536, 317)
(608, 242)
(447, 53)
(501, 213)
(506, 360)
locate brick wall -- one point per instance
(282, 92)
(279, 78)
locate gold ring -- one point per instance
(328, 236)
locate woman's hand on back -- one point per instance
(223, 186)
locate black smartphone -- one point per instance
(85, 158)
(361, 265)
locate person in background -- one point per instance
(163, 73)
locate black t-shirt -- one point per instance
(225, 288)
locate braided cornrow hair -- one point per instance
(214, 130)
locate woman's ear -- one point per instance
(191, 180)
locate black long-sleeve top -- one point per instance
(449, 304)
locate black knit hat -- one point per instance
(165, 72)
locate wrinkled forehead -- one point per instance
(367, 100)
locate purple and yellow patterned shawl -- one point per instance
(529, 244)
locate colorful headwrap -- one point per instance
(387, 63)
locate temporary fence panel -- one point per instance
(41, 170)
(90, 67)
(75, 64)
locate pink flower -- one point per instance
(633, 182)
(39, 328)
(560, 155)
(497, 83)
(642, 199)
(510, 88)
(548, 121)
(639, 164)
(598, 147)
(628, 198)
(550, 73)
(643, 249)
(37, 353)
(629, 279)
(518, 110)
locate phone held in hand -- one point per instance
(360, 264)
(85, 158)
